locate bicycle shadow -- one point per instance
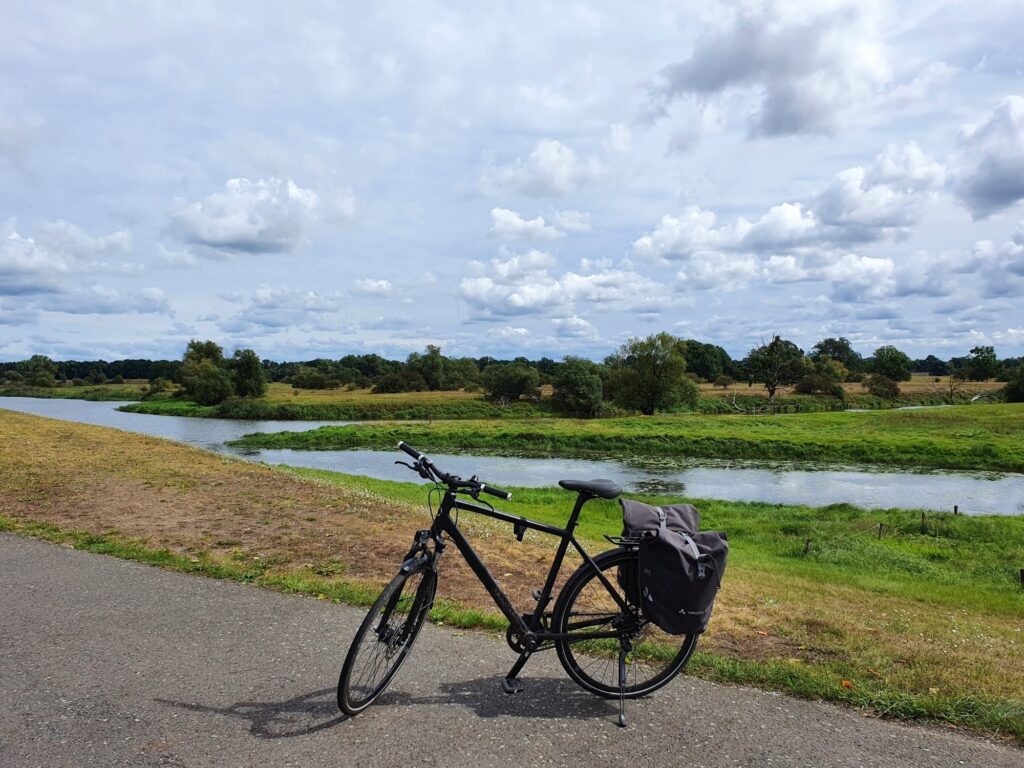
(542, 697)
(300, 715)
(309, 713)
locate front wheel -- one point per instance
(586, 605)
(384, 639)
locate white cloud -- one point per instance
(990, 172)
(275, 309)
(574, 327)
(42, 264)
(263, 216)
(522, 284)
(104, 300)
(861, 205)
(572, 221)
(375, 288)
(806, 64)
(620, 138)
(509, 225)
(508, 333)
(551, 170)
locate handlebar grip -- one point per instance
(409, 450)
(484, 488)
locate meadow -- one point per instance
(985, 437)
(898, 613)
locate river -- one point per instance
(782, 483)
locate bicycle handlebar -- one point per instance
(454, 483)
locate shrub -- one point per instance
(404, 381)
(723, 381)
(119, 379)
(1014, 389)
(819, 383)
(209, 384)
(882, 386)
(506, 382)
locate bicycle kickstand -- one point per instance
(511, 683)
(622, 685)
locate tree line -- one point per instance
(656, 373)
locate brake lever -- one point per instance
(407, 464)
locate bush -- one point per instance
(1014, 389)
(119, 379)
(819, 383)
(882, 386)
(723, 381)
(311, 378)
(507, 382)
(405, 381)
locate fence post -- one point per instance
(807, 548)
(880, 527)
(1022, 578)
(956, 509)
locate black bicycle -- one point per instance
(596, 627)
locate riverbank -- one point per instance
(877, 622)
(983, 437)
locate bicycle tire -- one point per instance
(377, 652)
(655, 658)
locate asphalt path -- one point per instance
(110, 663)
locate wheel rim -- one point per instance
(391, 629)
(654, 656)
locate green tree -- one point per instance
(982, 364)
(706, 360)
(776, 364)
(197, 351)
(506, 382)
(250, 379)
(579, 390)
(208, 384)
(203, 374)
(838, 349)
(649, 375)
(891, 363)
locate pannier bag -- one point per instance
(680, 569)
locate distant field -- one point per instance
(922, 622)
(917, 386)
(963, 437)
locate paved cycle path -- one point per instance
(110, 663)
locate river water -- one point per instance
(783, 483)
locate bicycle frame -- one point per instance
(532, 634)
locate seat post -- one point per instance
(581, 499)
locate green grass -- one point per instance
(985, 437)
(354, 410)
(102, 392)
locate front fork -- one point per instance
(419, 555)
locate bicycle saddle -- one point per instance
(606, 489)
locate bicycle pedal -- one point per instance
(511, 685)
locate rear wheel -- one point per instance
(586, 604)
(384, 639)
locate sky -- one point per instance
(314, 179)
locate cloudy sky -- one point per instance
(313, 179)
